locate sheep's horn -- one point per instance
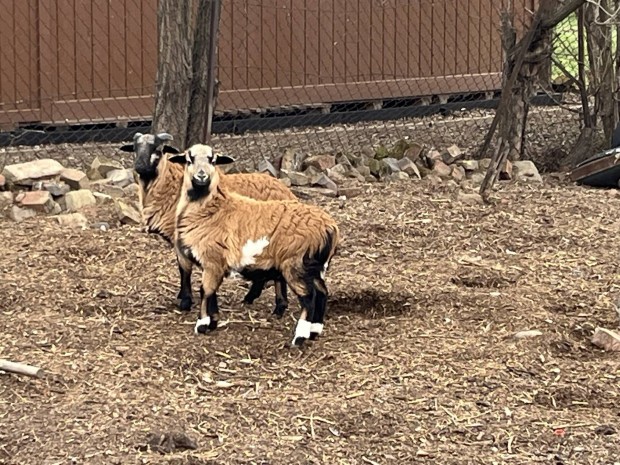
(136, 135)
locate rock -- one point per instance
(399, 149)
(468, 165)
(285, 181)
(368, 151)
(56, 208)
(18, 214)
(113, 191)
(265, 166)
(363, 171)
(103, 198)
(381, 153)
(291, 160)
(398, 176)
(131, 190)
(320, 162)
(434, 180)
(505, 172)
(350, 191)
(340, 169)
(24, 174)
(469, 198)
(336, 176)
(2, 182)
(434, 155)
(56, 188)
(451, 154)
(606, 339)
(392, 165)
(526, 171)
(120, 178)
(72, 220)
(484, 164)
(458, 173)
(414, 151)
(6, 199)
(40, 201)
(476, 178)
(297, 179)
(127, 214)
(75, 179)
(101, 166)
(76, 200)
(528, 334)
(241, 166)
(324, 181)
(374, 166)
(406, 165)
(441, 169)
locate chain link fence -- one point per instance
(78, 76)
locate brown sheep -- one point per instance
(159, 191)
(224, 232)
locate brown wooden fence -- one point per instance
(92, 61)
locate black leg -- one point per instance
(281, 298)
(316, 328)
(255, 291)
(302, 329)
(209, 310)
(185, 294)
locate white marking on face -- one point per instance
(251, 250)
(146, 139)
(154, 158)
(316, 328)
(302, 330)
(202, 322)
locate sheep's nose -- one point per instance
(201, 176)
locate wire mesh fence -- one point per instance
(78, 76)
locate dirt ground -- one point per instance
(418, 361)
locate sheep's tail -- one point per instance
(315, 263)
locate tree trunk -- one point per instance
(200, 62)
(174, 68)
(600, 51)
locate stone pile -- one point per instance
(342, 174)
(45, 187)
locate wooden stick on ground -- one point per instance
(21, 369)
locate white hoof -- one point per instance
(302, 332)
(316, 329)
(202, 325)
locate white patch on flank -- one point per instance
(251, 250)
(316, 328)
(202, 322)
(302, 330)
(234, 275)
(324, 269)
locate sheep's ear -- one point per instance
(170, 149)
(224, 160)
(127, 148)
(179, 158)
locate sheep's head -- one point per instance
(200, 162)
(148, 152)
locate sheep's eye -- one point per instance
(190, 157)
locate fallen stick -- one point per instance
(21, 368)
